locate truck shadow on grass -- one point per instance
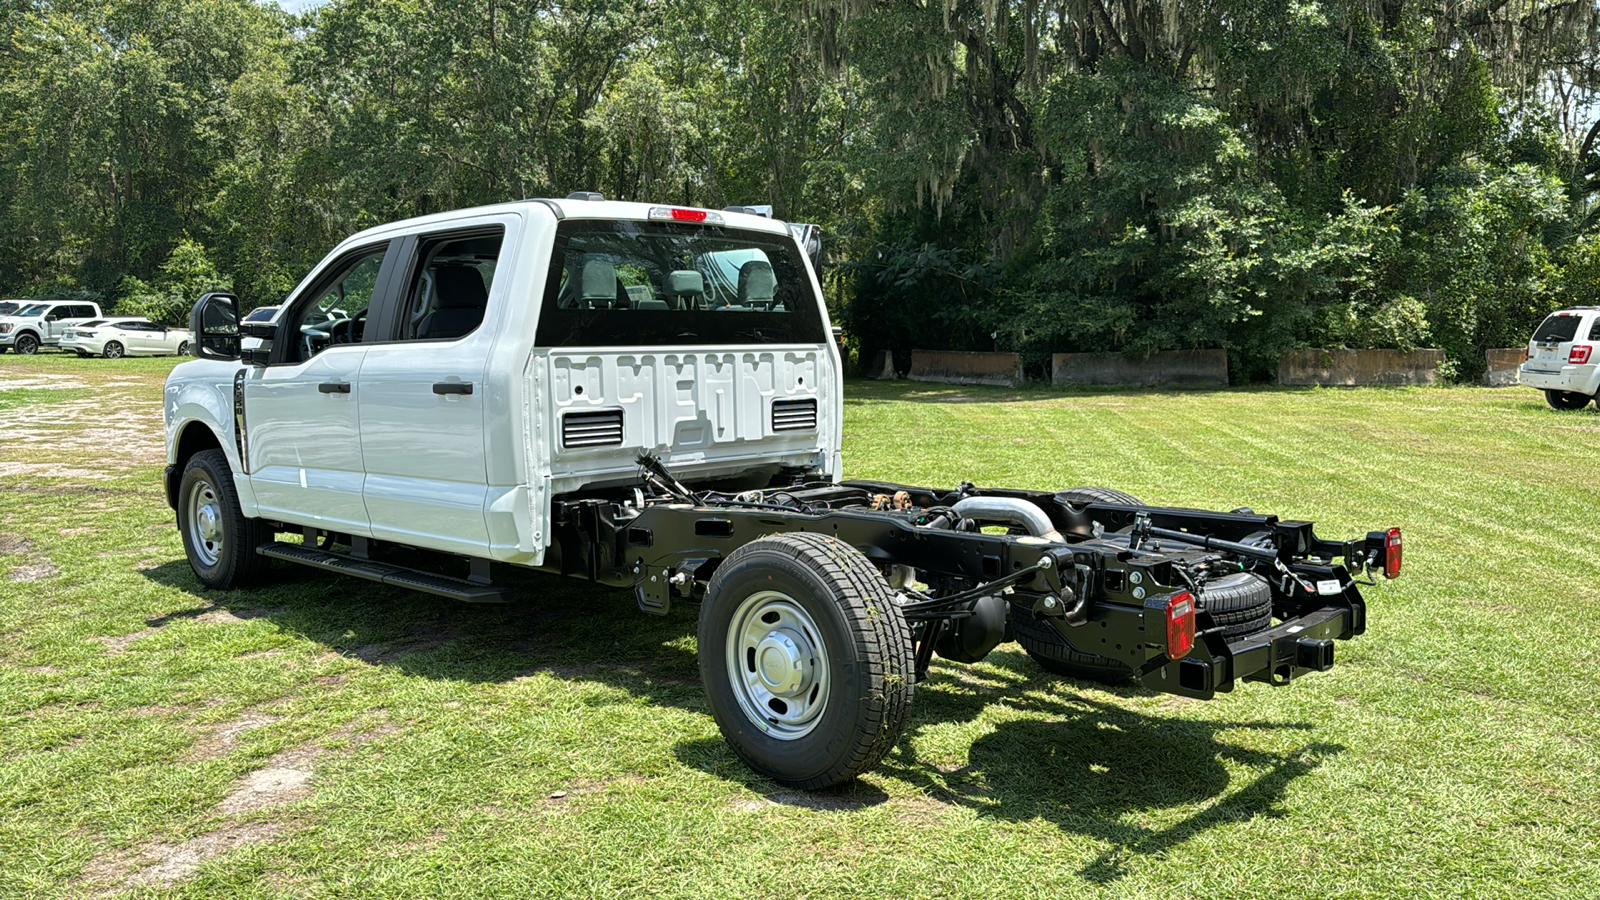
(1062, 752)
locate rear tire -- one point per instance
(807, 662)
(183, 348)
(112, 350)
(218, 538)
(1566, 400)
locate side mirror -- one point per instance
(214, 322)
(810, 238)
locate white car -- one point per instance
(1563, 358)
(132, 336)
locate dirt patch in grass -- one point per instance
(286, 777)
(163, 865)
(33, 571)
(120, 642)
(14, 544)
(221, 738)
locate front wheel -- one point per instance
(113, 350)
(807, 662)
(218, 538)
(27, 344)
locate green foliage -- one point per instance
(186, 275)
(1134, 176)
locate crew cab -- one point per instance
(42, 324)
(1562, 358)
(648, 397)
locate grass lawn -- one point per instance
(335, 738)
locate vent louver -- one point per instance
(794, 415)
(601, 428)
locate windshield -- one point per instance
(1558, 329)
(33, 309)
(622, 283)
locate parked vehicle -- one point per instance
(258, 315)
(7, 307)
(42, 324)
(647, 397)
(1563, 358)
(127, 336)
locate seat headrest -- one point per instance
(599, 281)
(757, 283)
(459, 287)
(685, 281)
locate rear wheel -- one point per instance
(27, 344)
(183, 348)
(807, 662)
(113, 350)
(1566, 399)
(218, 538)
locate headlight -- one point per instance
(5, 329)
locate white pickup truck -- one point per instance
(650, 397)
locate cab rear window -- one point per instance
(633, 284)
(1557, 329)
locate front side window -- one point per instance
(336, 312)
(621, 283)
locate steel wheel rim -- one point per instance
(777, 665)
(207, 535)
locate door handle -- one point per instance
(334, 387)
(452, 387)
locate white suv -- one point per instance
(1563, 357)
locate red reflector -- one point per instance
(1579, 354)
(689, 215)
(1180, 625)
(1391, 553)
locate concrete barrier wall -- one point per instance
(1503, 366)
(1192, 367)
(961, 367)
(1350, 367)
(879, 366)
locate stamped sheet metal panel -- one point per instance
(706, 411)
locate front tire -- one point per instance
(218, 538)
(113, 350)
(27, 344)
(807, 662)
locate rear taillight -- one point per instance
(1180, 625)
(1527, 353)
(1391, 553)
(1579, 354)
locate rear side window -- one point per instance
(1557, 329)
(630, 284)
(449, 289)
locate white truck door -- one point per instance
(304, 442)
(423, 395)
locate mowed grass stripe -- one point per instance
(1451, 752)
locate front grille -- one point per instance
(794, 415)
(601, 428)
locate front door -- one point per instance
(304, 440)
(423, 396)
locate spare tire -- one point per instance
(1239, 604)
(1079, 496)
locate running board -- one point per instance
(385, 573)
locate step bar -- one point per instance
(387, 573)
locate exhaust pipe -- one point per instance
(1010, 510)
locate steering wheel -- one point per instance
(348, 331)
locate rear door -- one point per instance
(1552, 342)
(303, 447)
(423, 393)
